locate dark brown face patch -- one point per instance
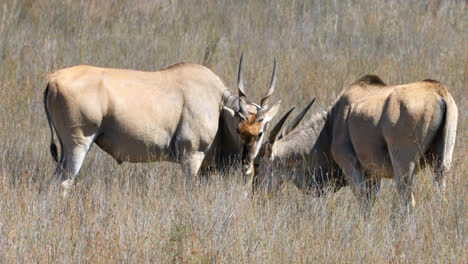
(250, 129)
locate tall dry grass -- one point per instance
(143, 213)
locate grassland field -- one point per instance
(142, 213)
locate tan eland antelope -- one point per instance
(180, 114)
(372, 131)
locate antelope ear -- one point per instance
(229, 111)
(272, 112)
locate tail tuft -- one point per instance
(53, 147)
(53, 151)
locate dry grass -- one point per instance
(143, 213)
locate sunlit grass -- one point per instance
(144, 213)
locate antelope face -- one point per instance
(266, 159)
(251, 132)
(262, 165)
(251, 126)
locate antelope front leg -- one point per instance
(192, 164)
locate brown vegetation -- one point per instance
(143, 213)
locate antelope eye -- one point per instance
(260, 136)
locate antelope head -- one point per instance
(251, 126)
(266, 155)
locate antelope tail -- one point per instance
(53, 147)
(448, 133)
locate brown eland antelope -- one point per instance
(180, 114)
(372, 131)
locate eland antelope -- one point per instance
(372, 131)
(251, 126)
(179, 114)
